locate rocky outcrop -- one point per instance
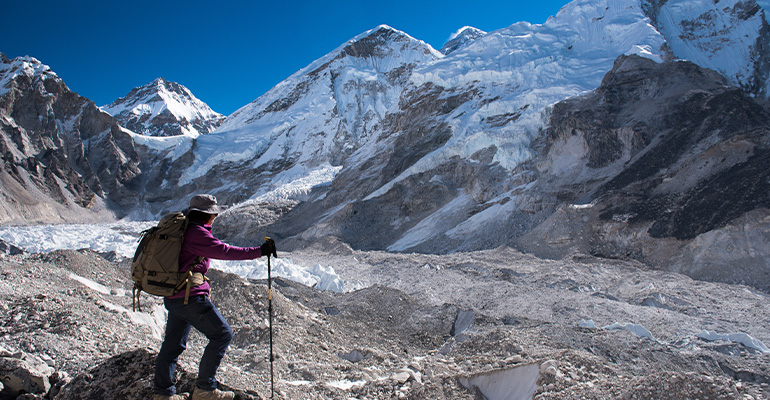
(129, 376)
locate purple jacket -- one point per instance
(198, 241)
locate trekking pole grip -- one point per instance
(274, 252)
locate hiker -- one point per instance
(200, 313)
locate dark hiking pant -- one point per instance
(201, 314)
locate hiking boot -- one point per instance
(216, 394)
(181, 396)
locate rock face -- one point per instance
(653, 165)
(62, 158)
(164, 108)
(24, 373)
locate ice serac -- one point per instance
(728, 36)
(163, 108)
(63, 159)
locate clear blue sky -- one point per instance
(226, 52)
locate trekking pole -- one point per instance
(270, 318)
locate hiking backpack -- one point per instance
(155, 266)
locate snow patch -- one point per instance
(323, 278)
(173, 146)
(97, 286)
(294, 184)
(636, 329)
(345, 384)
(155, 319)
(741, 338)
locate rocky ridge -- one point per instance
(63, 159)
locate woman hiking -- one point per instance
(198, 248)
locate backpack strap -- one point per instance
(192, 279)
(137, 290)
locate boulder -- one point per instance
(24, 373)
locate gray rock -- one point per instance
(517, 383)
(26, 374)
(463, 322)
(353, 356)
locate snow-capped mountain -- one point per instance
(445, 162)
(460, 38)
(311, 121)
(454, 166)
(163, 108)
(370, 89)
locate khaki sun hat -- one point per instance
(205, 203)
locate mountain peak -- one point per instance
(376, 42)
(381, 31)
(460, 38)
(26, 65)
(164, 108)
